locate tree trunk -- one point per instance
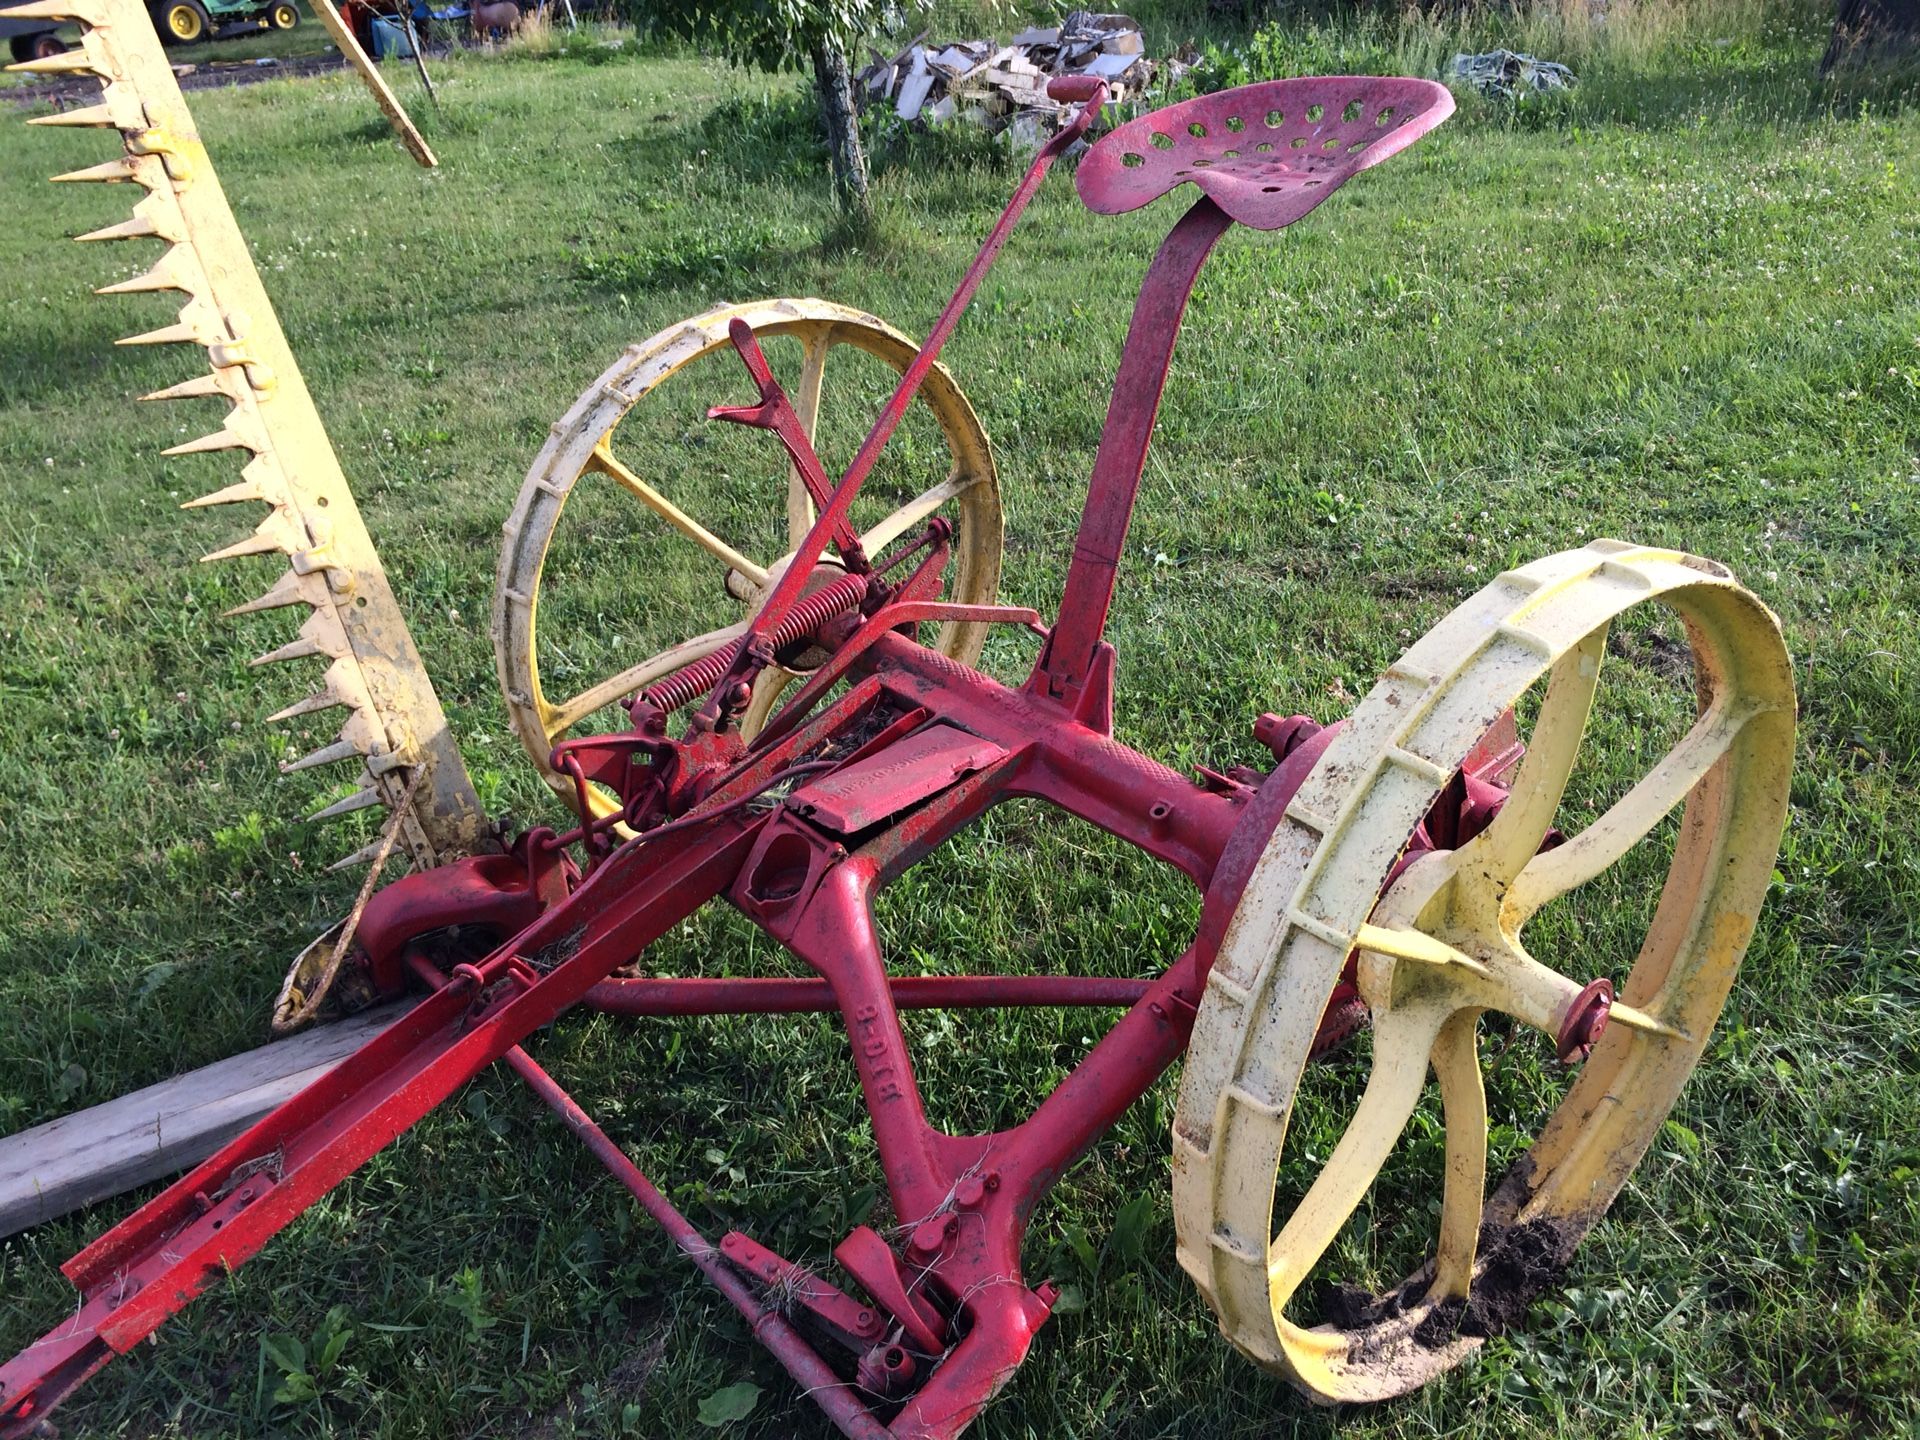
(834, 81)
(1866, 32)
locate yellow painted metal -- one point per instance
(393, 722)
(185, 20)
(1442, 945)
(581, 444)
(376, 83)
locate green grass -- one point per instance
(1699, 327)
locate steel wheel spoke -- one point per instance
(607, 463)
(567, 714)
(1627, 822)
(1516, 984)
(1514, 837)
(1456, 1061)
(1402, 1040)
(890, 529)
(806, 404)
(920, 508)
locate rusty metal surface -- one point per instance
(1266, 154)
(857, 796)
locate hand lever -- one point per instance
(787, 590)
(1065, 89)
(1091, 90)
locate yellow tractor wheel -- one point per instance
(181, 22)
(283, 16)
(1439, 946)
(668, 485)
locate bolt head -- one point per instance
(928, 1237)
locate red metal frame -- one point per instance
(798, 831)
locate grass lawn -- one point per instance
(1694, 322)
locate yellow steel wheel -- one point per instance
(185, 21)
(1441, 946)
(283, 16)
(683, 483)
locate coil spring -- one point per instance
(808, 615)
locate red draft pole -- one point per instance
(730, 995)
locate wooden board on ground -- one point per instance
(89, 1156)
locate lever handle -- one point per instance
(1066, 89)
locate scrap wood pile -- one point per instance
(1000, 87)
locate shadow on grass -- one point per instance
(774, 141)
(1771, 88)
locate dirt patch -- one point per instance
(85, 90)
(1518, 1263)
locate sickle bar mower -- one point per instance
(1381, 869)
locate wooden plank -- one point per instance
(88, 1156)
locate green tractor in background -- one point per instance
(179, 22)
(185, 22)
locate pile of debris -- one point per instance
(1504, 75)
(1005, 86)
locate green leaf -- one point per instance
(723, 1407)
(289, 1352)
(153, 977)
(297, 1390)
(330, 1351)
(1682, 1136)
(1083, 1251)
(72, 1081)
(1130, 1227)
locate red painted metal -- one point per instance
(856, 797)
(755, 652)
(852, 1324)
(888, 750)
(1070, 660)
(735, 995)
(1266, 154)
(776, 413)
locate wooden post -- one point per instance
(93, 1154)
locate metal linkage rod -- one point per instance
(827, 1389)
(734, 995)
(806, 554)
(802, 1361)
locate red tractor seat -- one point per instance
(1266, 153)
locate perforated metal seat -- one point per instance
(1267, 153)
